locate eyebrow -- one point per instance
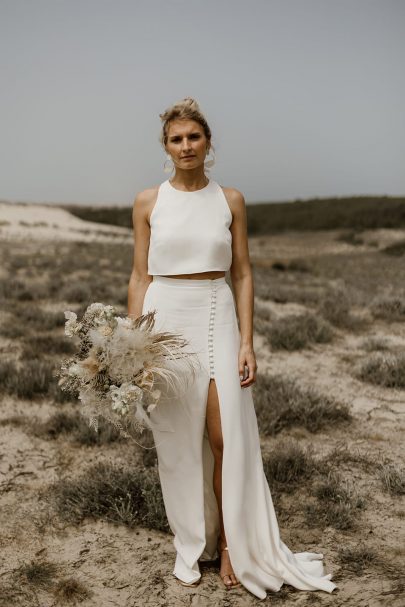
(193, 133)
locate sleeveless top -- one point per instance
(189, 231)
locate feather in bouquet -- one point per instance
(119, 363)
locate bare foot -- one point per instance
(226, 572)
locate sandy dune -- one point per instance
(19, 221)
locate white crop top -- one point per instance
(189, 231)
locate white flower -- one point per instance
(124, 322)
(99, 314)
(106, 330)
(123, 396)
(77, 370)
(71, 324)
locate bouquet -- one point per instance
(119, 364)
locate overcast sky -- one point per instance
(304, 97)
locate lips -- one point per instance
(184, 157)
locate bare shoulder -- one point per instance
(144, 197)
(235, 199)
(145, 201)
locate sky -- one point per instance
(304, 98)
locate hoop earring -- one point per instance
(168, 169)
(209, 163)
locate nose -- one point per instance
(186, 147)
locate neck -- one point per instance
(189, 180)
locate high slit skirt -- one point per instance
(203, 311)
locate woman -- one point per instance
(188, 232)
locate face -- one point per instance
(187, 138)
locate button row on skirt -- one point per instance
(210, 333)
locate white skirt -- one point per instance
(203, 311)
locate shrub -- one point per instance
(396, 249)
(31, 379)
(335, 308)
(338, 504)
(111, 493)
(393, 478)
(77, 426)
(375, 343)
(288, 465)
(12, 330)
(281, 404)
(76, 291)
(388, 308)
(38, 345)
(13, 288)
(357, 558)
(383, 369)
(351, 237)
(38, 572)
(34, 317)
(297, 331)
(70, 590)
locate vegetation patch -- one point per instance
(70, 590)
(281, 404)
(392, 478)
(335, 307)
(288, 465)
(375, 344)
(397, 249)
(35, 346)
(76, 426)
(350, 237)
(338, 504)
(125, 496)
(28, 380)
(298, 331)
(357, 558)
(39, 573)
(389, 308)
(383, 369)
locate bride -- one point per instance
(188, 232)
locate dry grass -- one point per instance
(396, 249)
(338, 503)
(69, 590)
(335, 307)
(392, 478)
(28, 380)
(288, 465)
(39, 573)
(351, 237)
(374, 344)
(77, 427)
(383, 369)
(35, 346)
(126, 496)
(389, 308)
(357, 558)
(298, 331)
(281, 404)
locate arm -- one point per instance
(242, 282)
(139, 279)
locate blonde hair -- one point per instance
(186, 109)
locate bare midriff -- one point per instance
(213, 274)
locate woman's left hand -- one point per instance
(247, 357)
